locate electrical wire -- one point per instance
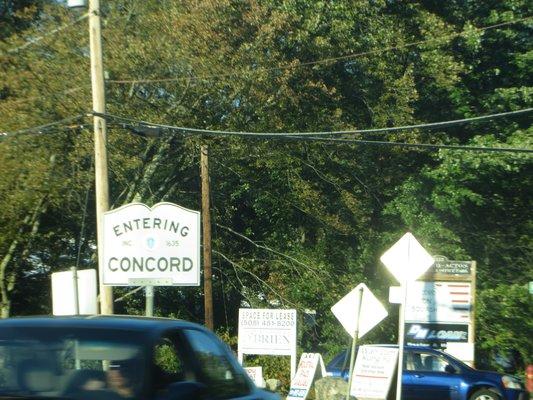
(414, 145)
(43, 128)
(48, 34)
(432, 125)
(144, 128)
(321, 61)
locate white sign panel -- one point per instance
(443, 302)
(311, 366)
(63, 292)
(268, 332)
(407, 260)
(256, 375)
(372, 311)
(151, 246)
(373, 372)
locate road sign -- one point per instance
(407, 259)
(157, 245)
(372, 311)
(65, 289)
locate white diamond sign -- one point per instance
(372, 311)
(407, 260)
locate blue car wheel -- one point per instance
(484, 394)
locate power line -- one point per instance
(321, 61)
(50, 33)
(153, 128)
(144, 128)
(415, 145)
(43, 128)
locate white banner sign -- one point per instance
(311, 366)
(442, 302)
(373, 372)
(264, 331)
(157, 246)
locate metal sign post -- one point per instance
(401, 340)
(354, 341)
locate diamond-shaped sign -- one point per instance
(372, 311)
(407, 260)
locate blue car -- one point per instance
(431, 374)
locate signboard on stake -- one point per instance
(267, 332)
(310, 367)
(373, 372)
(158, 246)
(407, 260)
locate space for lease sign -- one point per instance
(267, 332)
(157, 245)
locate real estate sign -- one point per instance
(267, 332)
(157, 246)
(373, 372)
(310, 367)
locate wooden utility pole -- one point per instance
(206, 227)
(100, 146)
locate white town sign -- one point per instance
(157, 246)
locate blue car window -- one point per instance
(221, 379)
(422, 361)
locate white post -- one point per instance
(354, 343)
(100, 146)
(401, 340)
(149, 306)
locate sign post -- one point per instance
(368, 313)
(406, 260)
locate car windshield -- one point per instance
(70, 363)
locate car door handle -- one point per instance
(419, 376)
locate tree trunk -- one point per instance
(8, 275)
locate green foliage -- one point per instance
(498, 310)
(295, 224)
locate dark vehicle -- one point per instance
(113, 358)
(430, 374)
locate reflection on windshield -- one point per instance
(86, 365)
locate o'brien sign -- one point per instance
(151, 246)
(264, 331)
